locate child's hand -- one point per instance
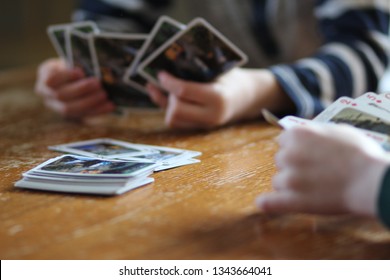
(69, 93)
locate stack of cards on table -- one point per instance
(125, 63)
(103, 166)
(369, 112)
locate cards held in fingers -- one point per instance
(72, 42)
(114, 52)
(164, 29)
(199, 53)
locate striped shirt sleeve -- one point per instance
(351, 61)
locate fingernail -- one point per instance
(162, 76)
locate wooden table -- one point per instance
(201, 211)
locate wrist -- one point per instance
(253, 90)
(267, 93)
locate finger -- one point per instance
(279, 182)
(279, 159)
(283, 138)
(78, 89)
(157, 96)
(80, 107)
(47, 84)
(279, 202)
(186, 90)
(293, 157)
(63, 76)
(292, 136)
(181, 111)
(289, 179)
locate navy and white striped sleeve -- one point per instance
(351, 61)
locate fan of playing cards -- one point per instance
(103, 166)
(125, 63)
(369, 112)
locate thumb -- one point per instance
(170, 83)
(187, 90)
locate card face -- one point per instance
(59, 36)
(107, 148)
(378, 103)
(163, 30)
(114, 52)
(85, 27)
(79, 166)
(288, 122)
(361, 119)
(198, 53)
(82, 54)
(357, 114)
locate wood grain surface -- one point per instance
(201, 211)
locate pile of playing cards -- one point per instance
(369, 112)
(103, 166)
(125, 63)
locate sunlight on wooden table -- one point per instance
(201, 211)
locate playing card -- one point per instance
(170, 165)
(271, 118)
(292, 121)
(198, 53)
(91, 188)
(58, 39)
(114, 52)
(167, 157)
(59, 36)
(350, 111)
(103, 147)
(66, 179)
(288, 122)
(163, 30)
(79, 166)
(82, 53)
(373, 100)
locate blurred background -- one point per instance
(23, 23)
(23, 38)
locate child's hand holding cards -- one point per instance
(126, 62)
(369, 113)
